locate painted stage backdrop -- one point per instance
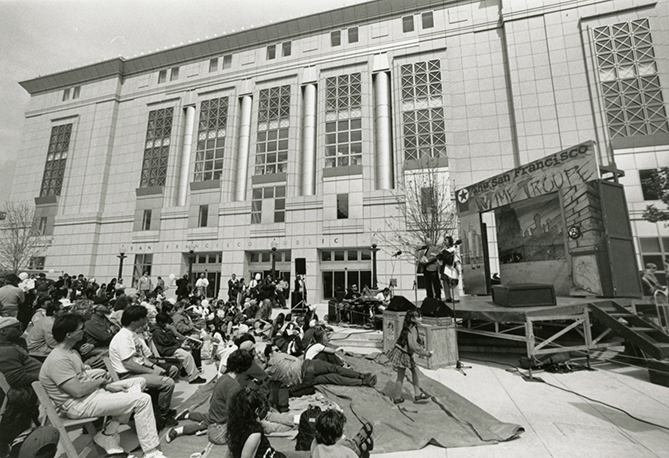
(550, 224)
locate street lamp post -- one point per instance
(121, 256)
(375, 282)
(191, 258)
(273, 259)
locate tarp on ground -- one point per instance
(447, 419)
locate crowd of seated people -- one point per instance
(153, 342)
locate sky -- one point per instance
(41, 37)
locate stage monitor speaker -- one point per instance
(523, 295)
(301, 266)
(435, 308)
(400, 304)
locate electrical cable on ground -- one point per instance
(516, 369)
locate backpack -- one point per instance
(307, 428)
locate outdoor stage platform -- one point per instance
(480, 316)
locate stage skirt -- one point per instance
(400, 359)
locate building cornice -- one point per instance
(291, 29)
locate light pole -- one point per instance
(274, 259)
(374, 280)
(121, 256)
(191, 258)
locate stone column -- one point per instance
(384, 153)
(309, 141)
(185, 156)
(243, 149)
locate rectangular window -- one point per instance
(37, 263)
(273, 124)
(427, 197)
(41, 228)
(286, 48)
(157, 148)
(227, 61)
(353, 255)
(211, 140)
(271, 52)
(143, 263)
(407, 24)
(278, 194)
(213, 64)
(428, 20)
(162, 76)
(203, 216)
(343, 120)
(280, 204)
(353, 35)
(56, 159)
(146, 220)
(76, 91)
(66, 94)
(335, 38)
(647, 188)
(629, 79)
(174, 74)
(326, 256)
(339, 255)
(422, 110)
(342, 206)
(256, 206)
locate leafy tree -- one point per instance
(426, 209)
(20, 236)
(658, 187)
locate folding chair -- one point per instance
(4, 386)
(112, 373)
(64, 424)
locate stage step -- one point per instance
(645, 335)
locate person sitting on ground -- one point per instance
(292, 371)
(185, 326)
(329, 440)
(130, 357)
(321, 349)
(81, 392)
(169, 344)
(40, 339)
(245, 434)
(215, 421)
(20, 370)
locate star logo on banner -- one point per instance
(463, 196)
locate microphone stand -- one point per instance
(458, 364)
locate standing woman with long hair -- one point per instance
(244, 435)
(401, 356)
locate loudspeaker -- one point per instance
(523, 295)
(400, 304)
(435, 308)
(301, 266)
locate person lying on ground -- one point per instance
(292, 371)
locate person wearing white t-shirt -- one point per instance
(321, 350)
(201, 286)
(130, 357)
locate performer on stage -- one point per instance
(450, 269)
(429, 263)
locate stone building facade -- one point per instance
(297, 135)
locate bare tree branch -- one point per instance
(20, 238)
(427, 212)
